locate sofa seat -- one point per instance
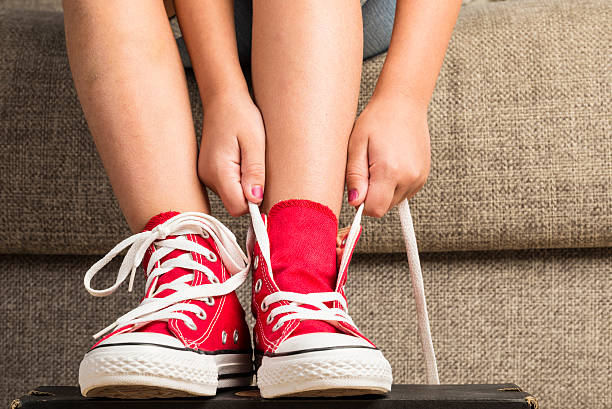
(514, 224)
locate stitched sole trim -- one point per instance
(143, 372)
(337, 372)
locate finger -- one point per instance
(230, 191)
(222, 176)
(357, 172)
(399, 195)
(406, 191)
(253, 166)
(380, 192)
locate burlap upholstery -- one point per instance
(538, 318)
(519, 121)
(521, 144)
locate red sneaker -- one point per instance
(306, 344)
(188, 336)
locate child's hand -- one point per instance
(389, 154)
(232, 153)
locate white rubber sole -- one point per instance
(333, 372)
(150, 371)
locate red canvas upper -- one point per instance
(305, 252)
(226, 314)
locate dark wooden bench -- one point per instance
(472, 396)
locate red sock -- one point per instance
(303, 251)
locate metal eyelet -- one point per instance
(210, 301)
(215, 280)
(258, 284)
(212, 257)
(264, 306)
(276, 326)
(201, 315)
(205, 234)
(192, 326)
(223, 337)
(235, 336)
(270, 319)
(256, 262)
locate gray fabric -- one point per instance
(377, 18)
(519, 121)
(41, 5)
(538, 318)
(56, 5)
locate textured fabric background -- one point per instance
(538, 318)
(520, 126)
(56, 5)
(521, 147)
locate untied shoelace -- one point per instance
(294, 311)
(238, 264)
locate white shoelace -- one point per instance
(237, 263)
(173, 306)
(294, 309)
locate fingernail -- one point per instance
(257, 191)
(352, 195)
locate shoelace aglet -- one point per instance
(105, 330)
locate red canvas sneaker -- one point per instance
(306, 344)
(188, 336)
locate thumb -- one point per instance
(252, 167)
(357, 173)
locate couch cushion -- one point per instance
(496, 317)
(520, 128)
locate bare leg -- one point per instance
(306, 65)
(132, 87)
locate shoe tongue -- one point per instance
(159, 219)
(303, 246)
(177, 271)
(303, 237)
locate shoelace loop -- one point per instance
(162, 231)
(173, 306)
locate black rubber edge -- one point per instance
(197, 351)
(305, 351)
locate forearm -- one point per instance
(210, 35)
(421, 33)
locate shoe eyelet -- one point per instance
(276, 326)
(256, 262)
(215, 280)
(235, 336)
(343, 242)
(205, 234)
(212, 257)
(210, 301)
(192, 326)
(264, 306)
(201, 315)
(223, 337)
(270, 319)
(258, 284)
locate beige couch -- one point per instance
(515, 222)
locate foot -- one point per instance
(188, 336)
(306, 344)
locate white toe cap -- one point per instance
(320, 340)
(143, 338)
